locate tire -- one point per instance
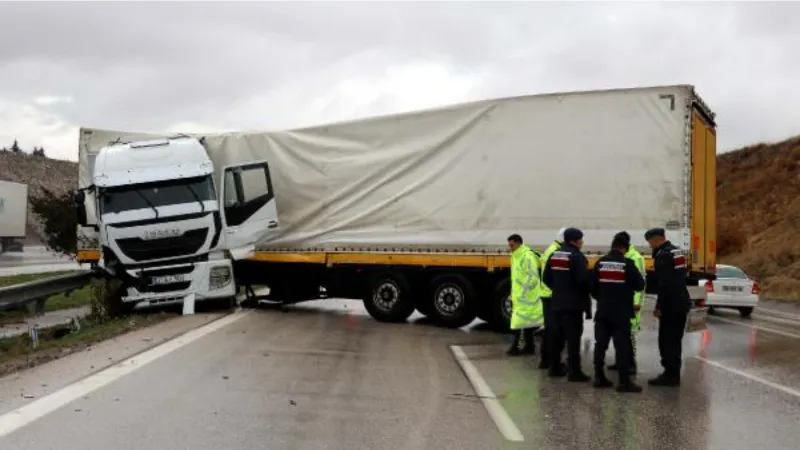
(746, 311)
(501, 306)
(454, 303)
(711, 310)
(388, 298)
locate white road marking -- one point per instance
(776, 313)
(482, 389)
(757, 327)
(14, 420)
(741, 373)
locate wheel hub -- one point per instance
(448, 300)
(386, 296)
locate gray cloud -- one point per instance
(147, 66)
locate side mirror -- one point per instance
(80, 208)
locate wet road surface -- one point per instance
(323, 375)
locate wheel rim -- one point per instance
(386, 296)
(507, 307)
(449, 300)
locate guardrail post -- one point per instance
(33, 332)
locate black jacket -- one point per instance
(615, 279)
(669, 275)
(567, 274)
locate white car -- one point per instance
(732, 289)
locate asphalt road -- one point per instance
(325, 376)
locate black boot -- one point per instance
(528, 348)
(513, 350)
(665, 379)
(544, 364)
(557, 370)
(577, 376)
(600, 379)
(627, 385)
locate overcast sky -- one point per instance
(222, 66)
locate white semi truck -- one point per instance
(405, 212)
(13, 213)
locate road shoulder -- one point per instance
(22, 387)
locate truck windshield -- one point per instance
(151, 195)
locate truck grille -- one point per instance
(139, 249)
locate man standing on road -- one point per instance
(567, 274)
(549, 320)
(672, 305)
(636, 321)
(526, 307)
(615, 280)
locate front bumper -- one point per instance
(172, 283)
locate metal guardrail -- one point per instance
(33, 294)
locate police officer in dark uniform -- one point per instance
(567, 274)
(615, 280)
(672, 304)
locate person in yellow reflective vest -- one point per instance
(636, 322)
(526, 306)
(546, 295)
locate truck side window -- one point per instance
(247, 189)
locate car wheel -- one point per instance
(746, 311)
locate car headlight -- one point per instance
(219, 277)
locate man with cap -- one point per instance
(636, 321)
(673, 304)
(615, 280)
(526, 307)
(567, 274)
(546, 294)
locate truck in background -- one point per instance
(405, 212)
(13, 215)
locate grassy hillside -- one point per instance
(758, 191)
(759, 214)
(37, 172)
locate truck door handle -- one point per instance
(272, 224)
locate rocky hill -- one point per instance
(37, 172)
(758, 192)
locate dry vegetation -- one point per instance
(758, 191)
(759, 214)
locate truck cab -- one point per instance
(162, 228)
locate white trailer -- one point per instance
(413, 210)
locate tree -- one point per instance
(56, 211)
(38, 151)
(15, 147)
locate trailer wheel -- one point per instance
(388, 298)
(501, 306)
(454, 301)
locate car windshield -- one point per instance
(151, 195)
(730, 272)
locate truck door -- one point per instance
(248, 207)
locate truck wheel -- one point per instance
(454, 303)
(501, 306)
(388, 298)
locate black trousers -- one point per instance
(525, 336)
(619, 331)
(550, 325)
(569, 330)
(671, 327)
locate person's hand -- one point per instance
(637, 308)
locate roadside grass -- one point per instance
(78, 298)
(17, 352)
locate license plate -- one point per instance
(697, 320)
(732, 288)
(166, 279)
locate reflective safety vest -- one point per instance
(526, 306)
(638, 260)
(546, 292)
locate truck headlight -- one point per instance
(219, 277)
